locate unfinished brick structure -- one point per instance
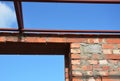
(88, 57)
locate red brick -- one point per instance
(84, 57)
(113, 40)
(93, 61)
(66, 69)
(11, 39)
(112, 56)
(105, 67)
(116, 51)
(89, 73)
(56, 39)
(2, 38)
(74, 67)
(76, 79)
(98, 79)
(66, 79)
(97, 67)
(103, 73)
(75, 45)
(90, 40)
(118, 68)
(107, 51)
(75, 56)
(91, 79)
(107, 46)
(94, 40)
(75, 40)
(112, 73)
(103, 62)
(76, 73)
(86, 67)
(34, 39)
(42, 40)
(75, 50)
(109, 79)
(66, 75)
(118, 45)
(75, 61)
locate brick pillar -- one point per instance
(66, 67)
(96, 59)
(75, 61)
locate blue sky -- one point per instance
(71, 16)
(31, 68)
(52, 16)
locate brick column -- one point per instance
(66, 67)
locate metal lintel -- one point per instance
(21, 48)
(18, 9)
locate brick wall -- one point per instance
(93, 57)
(96, 59)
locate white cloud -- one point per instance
(7, 16)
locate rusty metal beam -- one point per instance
(72, 1)
(73, 31)
(18, 9)
(8, 29)
(62, 31)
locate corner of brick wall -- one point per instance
(96, 59)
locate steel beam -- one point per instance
(21, 48)
(18, 9)
(62, 31)
(72, 1)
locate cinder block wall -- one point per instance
(96, 59)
